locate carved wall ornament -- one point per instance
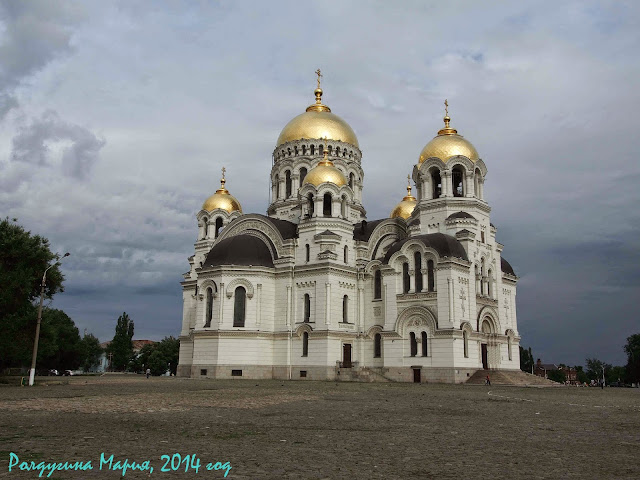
(239, 282)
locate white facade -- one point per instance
(328, 295)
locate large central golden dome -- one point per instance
(318, 122)
(448, 144)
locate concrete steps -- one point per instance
(509, 377)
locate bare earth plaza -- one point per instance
(312, 430)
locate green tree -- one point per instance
(632, 349)
(580, 375)
(60, 345)
(121, 347)
(526, 359)
(594, 369)
(163, 356)
(23, 259)
(556, 376)
(615, 375)
(90, 352)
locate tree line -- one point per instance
(629, 373)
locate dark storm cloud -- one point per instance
(31, 145)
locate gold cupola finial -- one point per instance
(325, 155)
(405, 208)
(409, 186)
(318, 106)
(222, 188)
(447, 130)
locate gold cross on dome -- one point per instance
(319, 75)
(446, 108)
(223, 170)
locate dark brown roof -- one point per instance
(362, 231)
(239, 250)
(445, 245)
(506, 267)
(460, 215)
(287, 229)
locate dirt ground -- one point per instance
(320, 430)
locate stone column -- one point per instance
(258, 304)
(445, 181)
(412, 281)
(288, 305)
(451, 297)
(295, 185)
(221, 296)
(327, 317)
(468, 186)
(360, 308)
(283, 191)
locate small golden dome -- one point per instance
(405, 208)
(448, 144)
(325, 172)
(222, 199)
(318, 122)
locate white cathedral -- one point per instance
(314, 290)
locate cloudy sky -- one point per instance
(116, 117)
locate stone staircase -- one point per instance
(509, 377)
(362, 374)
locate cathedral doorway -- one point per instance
(485, 363)
(416, 375)
(346, 355)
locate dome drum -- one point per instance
(312, 148)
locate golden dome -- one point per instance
(325, 172)
(448, 144)
(405, 208)
(318, 122)
(222, 199)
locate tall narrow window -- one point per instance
(509, 347)
(205, 220)
(303, 173)
(414, 344)
(377, 284)
(308, 252)
(482, 277)
(346, 254)
(457, 182)
(209, 314)
(343, 207)
(277, 180)
(489, 283)
(406, 280)
(377, 346)
(326, 205)
(311, 204)
(424, 344)
(305, 344)
(287, 180)
(431, 283)
(218, 226)
(307, 307)
(352, 180)
(345, 309)
(239, 307)
(465, 339)
(436, 181)
(313, 149)
(418, 269)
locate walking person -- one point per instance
(148, 372)
(487, 381)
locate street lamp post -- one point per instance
(32, 372)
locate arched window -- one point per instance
(308, 251)
(424, 344)
(326, 205)
(337, 151)
(304, 149)
(476, 183)
(287, 183)
(418, 269)
(313, 149)
(352, 180)
(431, 283)
(312, 205)
(346, 254)
(345, 309)
(377, 284)
(509, 347)
(307, 308)
(209, 313)
(330, 148)
(205, 220)
(436, 181)
(457, 181)
(305, 344)
(239, 307)
(377, 346)
(482, 276)
(277, 180)
(465, 339)
(303, 173)
(218, 226)
(414, 344)
(406, 281)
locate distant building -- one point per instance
(543, 369)
(104, 363)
